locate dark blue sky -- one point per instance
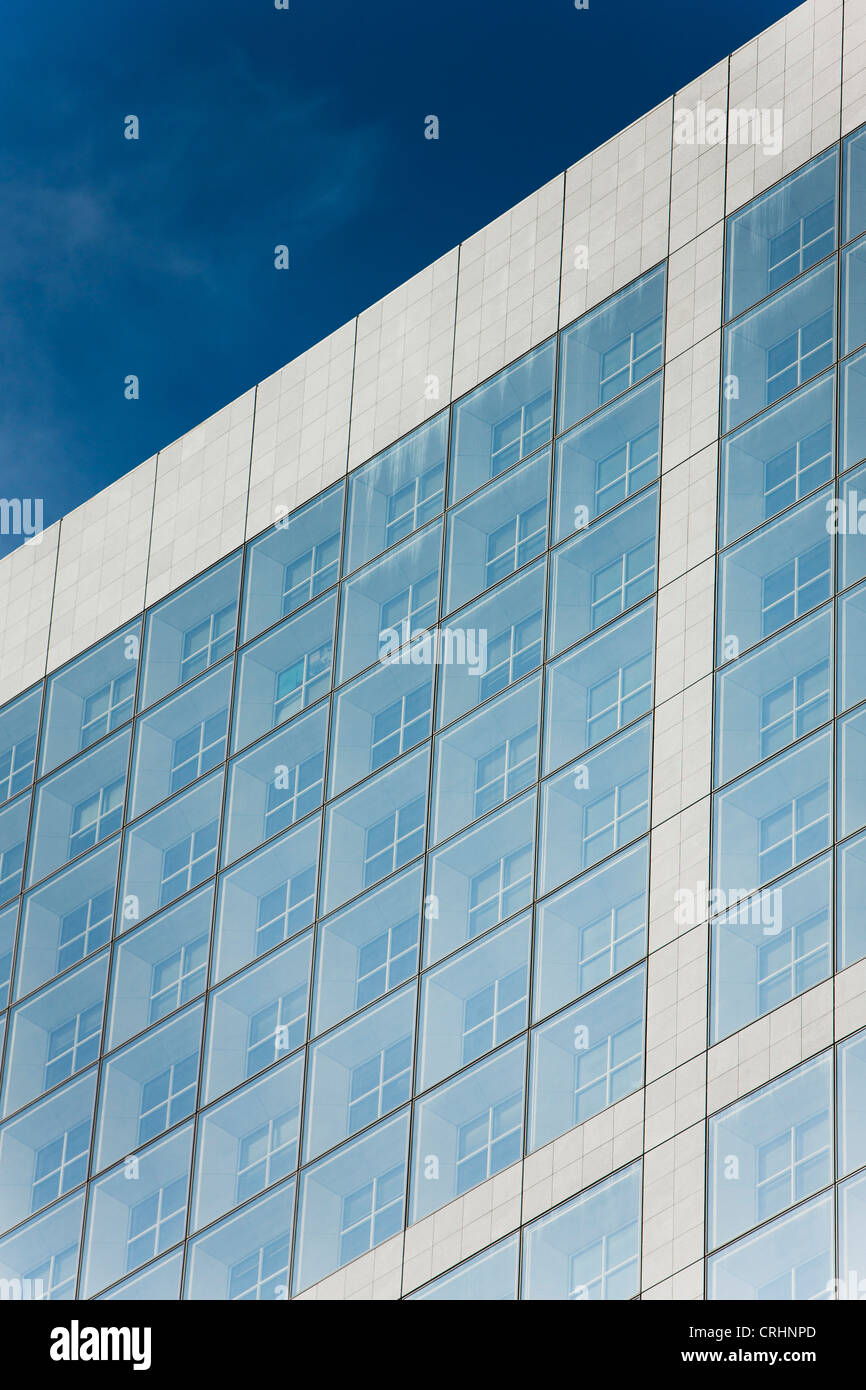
(258, 127)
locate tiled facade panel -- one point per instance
(337, 962)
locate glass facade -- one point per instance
(325, 882)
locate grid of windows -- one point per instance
(257, 1020)
(778, 817)
(420, 947)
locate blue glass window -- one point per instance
(267, 899)
(490, 1277)
(247, 1256)
(502, 421)
(44, 1152)
(190, 631)
(13, 839)
(247, 1143)
(474, 1002)
(590, 1247)
(170, 852)
(605, 461)
(780, 345)
(389, 602)
(91, 697)
(771, 464)
(486, 759)
(776, 695)
(54, 1034)
(591, 930)
(19, 727)
(597, 576)
(593, 808)
(351, 1201)
(778, 236)
(181, 740)
(293, 561)
(67, 918)
(597, 689)
(359, 1073)
(496, 532)
(278, 782)
(770, 947)
(773, 819)
(160, 967)
(284, 672)
(612, 348)
(377, 718)
(468, 1130)
(258, 1018)
(586, 1058)
(791, 1259)
(768, 1152)
(480, 878)
(368, 949)
(397, 492)
(372, 832)
(774, 577)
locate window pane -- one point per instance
(190, 631)
(277, 783)
(606, 683)
(372, 832)
(170, 852)
(472, 1127)
(486, 760)
(774, 696)
(491, 644)
(44, 1152)
(351, 1201)
(590, 1247)
(90, 698)
(791, 1259)
(773, 463)
(851, 1112)
(611, 349)
(377, 718)
(490, 1276)
(603, 462)
(770, 1151)
(591, 930)
(479, 879)
(777, 347)
(54, 1034)
(247, 1143)
(368, 949)
(246, 1256)
(774, 577)
(19, 727)
(267, 899)
(473, 1003)
(769, 948)
(772, 820)
(502, 421)
(597, 576)
(397, 492)
(392, 600)
(148, 1087)
(160, 967)
(497, 532)
(587, 1058)
(293, 561)
(181, 740)
(778, 236)
(285, 672)
(359, 1073)
(593, 808)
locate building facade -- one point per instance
(432, 817)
